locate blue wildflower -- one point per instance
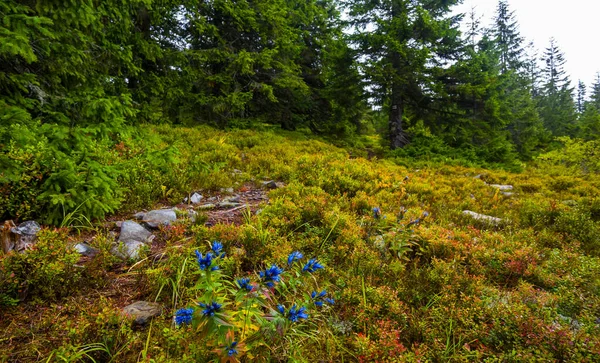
(294, 256)
(271, 275)
(281, 309)
(183, 316)
(217, 248)
(231, 351)
(297, 313)
(376, 212)
(330, 301)
(312, 265)
(244, 283)
(318, 297)
(210, 309)
(204, 261)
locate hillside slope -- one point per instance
(389, 267)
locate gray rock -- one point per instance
(196, 198)
(29, 228)
(132, 231)
(232, 199)
(507, 194)
(207, 206)
(25, 235)
(160, 217)
(85, 249)
(128, 250)
(142, 311)
(502, 188)
(271, 184)
(229, 205)
(483, 218)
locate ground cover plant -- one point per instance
(352, 259)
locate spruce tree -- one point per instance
(508, 40)
(595, 94)
(402, 44)
(580, 97)
(556, 105)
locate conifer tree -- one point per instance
(595, 94)
(402, 44)
(580, 97)
(556, 105)
(508, 40)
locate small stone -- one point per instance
(128, 250)
(26, 233)
(570, 203)
(160, 217)
(85, 249)
(232, 199)
(502, 188)
(132, 231)
(271, 184)
(196, 198)
(507, 194)
(483, 218)
(142, 311)
(229, 205)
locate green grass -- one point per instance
(445, 289)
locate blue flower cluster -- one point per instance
(210, 309)
(294, 256)
(312, 265)
(271, 275)
(376, 212)
(321, 298)
(418, 220)
(230, 349)
(205, 262)
(244, 284)
(183, 316)
(294, 314)
(217, 248)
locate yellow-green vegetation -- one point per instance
(412, 278)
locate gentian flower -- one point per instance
(183, 316)
(330, 301)
(318, 297)
(281, 309)
(271, 275)
(244, 283)
(376, 212)
(210, 309)
(231, 351)
(297, 313)
(312, 265)
(204, 262)
(294, 256)
(217, 248)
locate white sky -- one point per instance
(575, 24)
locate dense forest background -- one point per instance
(78, 77)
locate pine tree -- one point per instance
(508, 40)
(402, 44)
(556, 105)
(595, 95)
(580, 97)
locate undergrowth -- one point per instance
(409, 277)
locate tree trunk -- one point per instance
(398, 138)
